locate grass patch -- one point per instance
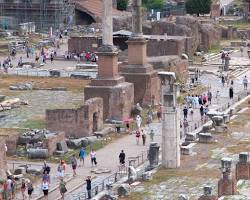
(35, 124)
(215, 48)
(75, 85)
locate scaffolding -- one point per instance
(45, 13)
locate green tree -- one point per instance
(122, 4)
(198, 6)
(153, 4)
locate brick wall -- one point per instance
(11, 142)
(51, 142)
(80, 44)
(76, 122)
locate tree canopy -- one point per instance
(198, 6)
(153, 4)
(122, 4)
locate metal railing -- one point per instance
(106, 183)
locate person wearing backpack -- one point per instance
(62, 188)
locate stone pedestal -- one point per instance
(137, 71)
(243, 167)
(153, 155)
(208, 194)
(118, 95)
(226, 185)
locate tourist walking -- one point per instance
(93, 157)
(223, 80)
(159, 113)
(82, 156)
(13, 187)
(241, 51)
(51, 57)
(138, 121)
(209, 97)
(46, 167)
(185, 112)
(137, 136)
(61, 169)
(202, 112)
(9, 187)
(30, 189)
(231, 93)
(88, 186)
(245, 82)
(152, 134)
(223, 56)
(204, 99)
(62, 188)
(143, 135)
(227, 59)
(74, 164)
(45, 189)
(23, 188)
(122, 157)
(5, 191)
(46, 177)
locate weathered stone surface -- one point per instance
(123, 190)
(153, 155)
(62, 146)
(38, 153)
(205, 137)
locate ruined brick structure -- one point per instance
(215, 10)
(242, 170)
(78, 122)
(171, 64)
(165, 45)
(187, 26)
(11, 142)
(50, 143)
(226, 185)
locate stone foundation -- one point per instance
(80, 122)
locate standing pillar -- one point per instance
(170, 121)
(207, 195)
(118, 95)
(227, 184)
(137, 70)
(242, 167)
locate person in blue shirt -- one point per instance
(81, 156)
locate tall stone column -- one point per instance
(170, 121)
(118, 95)
(137, 70)
(107, 25)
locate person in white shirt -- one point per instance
(245, 82)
